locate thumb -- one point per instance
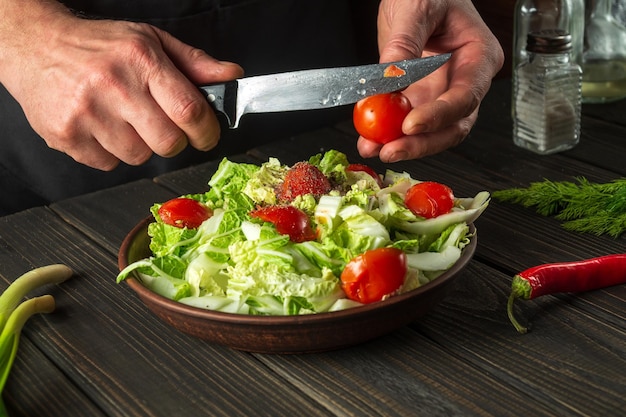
(196, 64)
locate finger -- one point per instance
(429, 143)
(151, 123)
(88, 151)
(196, 64)
(455, 104)
(403, 29)
(104, 149)
(181, 100)
(463, 85)
(123, 142)
(368, 148)
(422, 142)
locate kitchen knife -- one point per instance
(315, 89)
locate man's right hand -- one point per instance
(106, 91)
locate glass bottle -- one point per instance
(538, 15)
(604, 56)
(547, 94)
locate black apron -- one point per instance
(263, 36)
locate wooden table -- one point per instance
(102, 353)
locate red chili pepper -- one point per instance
(578, 276)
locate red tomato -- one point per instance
(184, 212)
(288, 220)
(379, 118)
(365, 168)
(374, 274)
(429, 199)
(303, 178)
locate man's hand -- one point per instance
(107, 91)
(445, 103)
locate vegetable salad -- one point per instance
(241, 260)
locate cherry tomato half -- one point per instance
(303, 178)
(288, 220)
(379, 118)
(429, 199)
(184, 212)
(367, 169)
(374, 274)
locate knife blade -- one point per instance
(315, 89)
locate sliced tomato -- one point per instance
(379, 118)
(288, 220)
(393, 71)
(303, 178)
(429, 199)
(184, 212)
(374, 274)
(367, 169)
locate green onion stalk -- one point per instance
(14, 312)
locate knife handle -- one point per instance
(223, 98)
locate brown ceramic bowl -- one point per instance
(290, 334)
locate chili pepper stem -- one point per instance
(520, 288)
(509, 309)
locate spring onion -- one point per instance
(14, 312)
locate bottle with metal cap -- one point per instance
(547, 94)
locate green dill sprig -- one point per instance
(582, 206)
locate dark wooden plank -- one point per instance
(108, 215)
(610, 112)
(402, 374)
(603, 130)
(123, 359)
(602, 144)
(571, 362)
(36, 387)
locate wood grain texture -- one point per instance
(106, 216)
(36, 387)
